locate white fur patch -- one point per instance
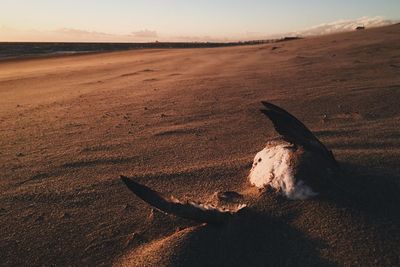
(272, 167)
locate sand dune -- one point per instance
(187, 122)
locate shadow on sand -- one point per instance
(256, 238)
(250, 240)
(369, 192)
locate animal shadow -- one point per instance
(251, 240)
(373, 193)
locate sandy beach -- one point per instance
(186, 122)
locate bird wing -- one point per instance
(290, 128)
(189, 210)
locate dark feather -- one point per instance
(293, 130)
(188, 210)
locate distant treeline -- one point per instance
(9, 50)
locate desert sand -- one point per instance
(186, 122)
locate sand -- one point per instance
(187, 122)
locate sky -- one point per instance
(190, 20)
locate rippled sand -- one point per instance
(187, 122)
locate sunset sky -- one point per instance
(119, 20)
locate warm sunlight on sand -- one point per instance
(187, 122)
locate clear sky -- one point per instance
(217, 18)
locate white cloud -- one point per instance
(76, 35)
(70, 35)
(145, 34)
(345, 25)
